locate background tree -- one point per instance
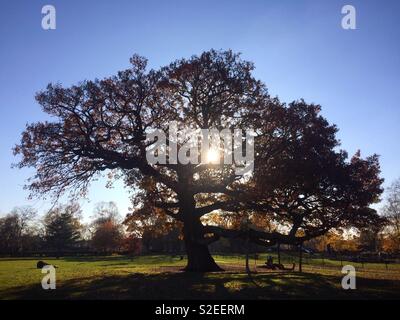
(369, 239)
(16, 231)
(392, 212)
(62, 228)
(132, 244)
(106, 211)
(338, 241)
(107, 228)
(101, 125)
(154, 228)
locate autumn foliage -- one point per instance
(303, 185)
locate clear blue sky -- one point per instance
(298, 47)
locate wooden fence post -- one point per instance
(279, 253)
(301, 257)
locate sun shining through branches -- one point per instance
(213, 156)
(102, 124)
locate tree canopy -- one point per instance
(302, 182)
(62, 227)
(107, 231)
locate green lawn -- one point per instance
(159, 277)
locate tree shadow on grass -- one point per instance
(182, 286)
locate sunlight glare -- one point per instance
(213, 156)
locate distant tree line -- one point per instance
(61, 232)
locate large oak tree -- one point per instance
(301, 180)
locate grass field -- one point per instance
(159, 277)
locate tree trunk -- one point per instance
(247, 256)
(199, 258)
(279, 253)
(301, 258)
